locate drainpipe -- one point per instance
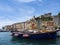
(24, 25)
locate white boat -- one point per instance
(58, 32)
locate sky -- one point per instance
(14, 11)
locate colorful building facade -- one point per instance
(46, 21)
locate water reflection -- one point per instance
(7, 39)
(34, 41)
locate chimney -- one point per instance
(49, 14)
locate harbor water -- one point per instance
(7, 39)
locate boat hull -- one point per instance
(37, 36)
(44, 35)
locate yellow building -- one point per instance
(48, 25)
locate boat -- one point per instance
(36, 34)
(58, 32)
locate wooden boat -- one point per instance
(35, 34)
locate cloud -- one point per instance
(26, 11)
(6, 8)
(5, 22)
(26, 1)
(20, 13)
(40, 0)
(14, 19)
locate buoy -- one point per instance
(16, 34)
(25, 35)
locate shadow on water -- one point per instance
(34, 41)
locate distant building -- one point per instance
(39, 22)
(50, 25)
(7, 28)
(47, 25)
(18, 26)
(47, 15)
(46, 21)
(56, 20)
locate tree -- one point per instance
(46, 18)
(3, 27)
(44, 26)
(42, 17)
(56, 27)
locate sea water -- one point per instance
(7, 39)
